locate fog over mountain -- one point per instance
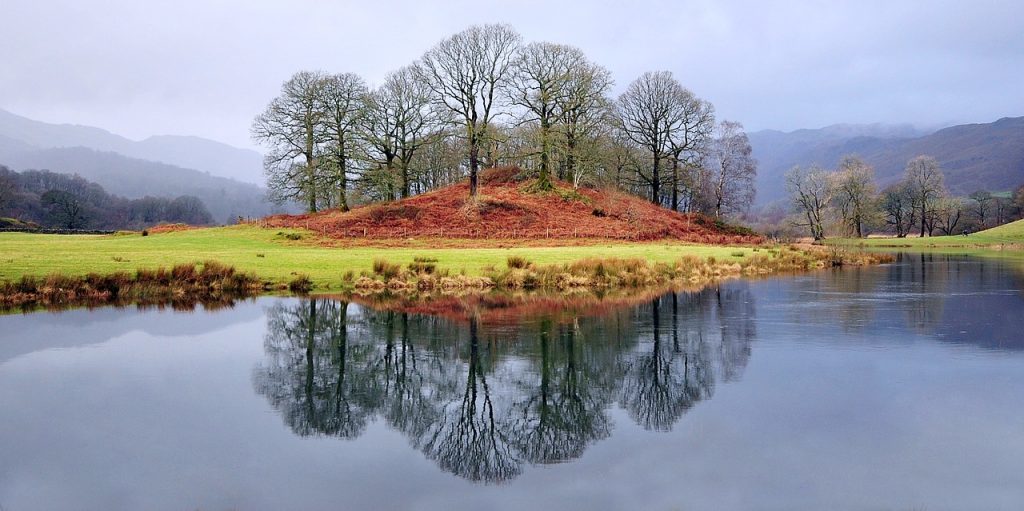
(226, 199)
(973, 156)
(18, 133)
(227, 179)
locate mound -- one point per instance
(507, 209)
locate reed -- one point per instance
(209, 281)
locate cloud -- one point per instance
(207, 67)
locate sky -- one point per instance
(207, 67)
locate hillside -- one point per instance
(973, 156)
(190, 152)
(133, 178)
(505, 210)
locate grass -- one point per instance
(612, 273)
(1004, 242)
(282, 255)
(209, 282)
(1007, 234)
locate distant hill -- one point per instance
(182, 151)
(973, 156)
(133, 178)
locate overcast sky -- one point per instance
(206, 67)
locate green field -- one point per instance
(1004, 242)
(273, 257)
(1008, 234)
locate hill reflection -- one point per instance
(484, 398)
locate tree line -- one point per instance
(483, 98)
(52, 200)
(846, 200)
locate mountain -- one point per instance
(133, 178)
(218, 159)
(973, 156)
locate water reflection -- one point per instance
(497, 383)
(482, 400)
(952, 299)
(906, 386)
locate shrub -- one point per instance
(184, 272)
(423, 265)
(518, 262)
(385, 269)
(216, 270)
(301, 284)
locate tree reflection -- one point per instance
(561, 407)
(666, 376)
(481, 402)
(468, 439)
(312, 375)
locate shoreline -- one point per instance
(212, 283)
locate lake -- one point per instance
(891, 387)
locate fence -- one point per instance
(476, 233)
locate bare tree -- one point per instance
(733, 169)
(399, 121)
(948, 212)
(620, 158)
(810, 189)
(658, 114)
(1002, 208)
(467, 73)
(855, 193)
(8, 187)
(1018, 200)
(899, 208)
(688, 140)
(585, 115)
(982, 203)
(190, 210)
(342, 99)
(66, 208)
(292, 127)
(540, 87)
(926, 185)
(440, 163)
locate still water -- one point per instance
(893, 387)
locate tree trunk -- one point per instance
(656, 181)
(474, 165)
(311, 180)
(342, 181)
(570, 155)
(923, 216)
(544, 179)
(405, 181)
(675, 184)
